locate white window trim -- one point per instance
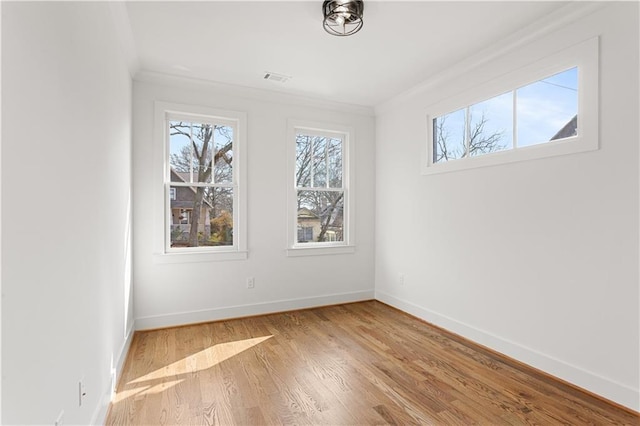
(161, 195)
(323, 248)
(583, 55)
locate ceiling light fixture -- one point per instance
(342, 17)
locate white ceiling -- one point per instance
(400, 45)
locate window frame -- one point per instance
(163, 253)
(583, 55)
(347, 134)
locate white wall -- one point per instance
(178, 293)
(537, 259)
(66, 141)
(1, 220)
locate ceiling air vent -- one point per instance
(278, 78)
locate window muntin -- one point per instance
(201, 183)
(537, 113)
(320, 189)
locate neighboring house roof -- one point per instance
(568, 130)
(336, 217)
(184, 177)
(305, 213)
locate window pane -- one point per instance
(202, 152)
(319, 179)
(190, 147)
(334, 157)
(305, 233)
(303, 161)
(320, 216)
(491, 125)
(548, 109)
(201, 216)
(448, 136)
(223, 167)
(220, 201)
(180, 156)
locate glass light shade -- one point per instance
(342, 17)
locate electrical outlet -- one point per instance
(251, 282)
(401, 279)
(82, 392)
(60, 420)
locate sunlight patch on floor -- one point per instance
(145, 390)
(202, 360)
(124, 394)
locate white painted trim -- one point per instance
(216, 314)
(250, 93)
(124, 351)
(189, 257)
(102, 409)
(590, 381)
(319, 250)
(546, 25)
(1, 294)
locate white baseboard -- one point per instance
(592, 382)
(100, 413)
(589, 381)
(182, 318)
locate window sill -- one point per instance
(571, 145)
(161, 258)
(319, 251)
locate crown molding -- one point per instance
(250, 93)
(554, 21)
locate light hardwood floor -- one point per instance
(356, 364)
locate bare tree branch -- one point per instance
(479, 142)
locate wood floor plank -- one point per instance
(356, 364)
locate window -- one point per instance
(547, 108)
(542, 112)
(203, 208)
(320, 210)
(305, 234)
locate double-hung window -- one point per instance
(320, 210)
(203, 193)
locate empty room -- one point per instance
(319, 212)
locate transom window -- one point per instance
(544, 109)
(540, 112)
